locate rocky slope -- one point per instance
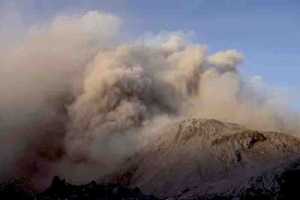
(280, 183)
(195, 159)
(207, 157)
(60, 190)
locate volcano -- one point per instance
(201, 158)
(194, 159)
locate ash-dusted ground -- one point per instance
(192, 159)
(206, 157)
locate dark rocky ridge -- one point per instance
(194, 159)
(280, 183)
(60, 190)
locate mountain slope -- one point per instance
(203, 157)
(194, 159)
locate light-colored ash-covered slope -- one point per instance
(199, 157)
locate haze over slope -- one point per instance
(75, 98)
(197, 157)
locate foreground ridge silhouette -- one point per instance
(60, 189)
(283, 185)
(193, 159)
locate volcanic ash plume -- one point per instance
(76, 102)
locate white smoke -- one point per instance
(79, 102)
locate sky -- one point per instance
(267, 32)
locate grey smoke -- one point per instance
(77, 102)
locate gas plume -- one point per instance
(77, 101)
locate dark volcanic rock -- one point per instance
(280, 183)
(60, 190)
(15, 190)
(193, 159)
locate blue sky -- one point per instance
(267, 32)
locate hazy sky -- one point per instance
(266, 31)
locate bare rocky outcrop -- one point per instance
(194, 159)
(60, 189)
(205, 157)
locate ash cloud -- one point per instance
(76, 101)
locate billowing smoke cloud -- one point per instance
(77, 102)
